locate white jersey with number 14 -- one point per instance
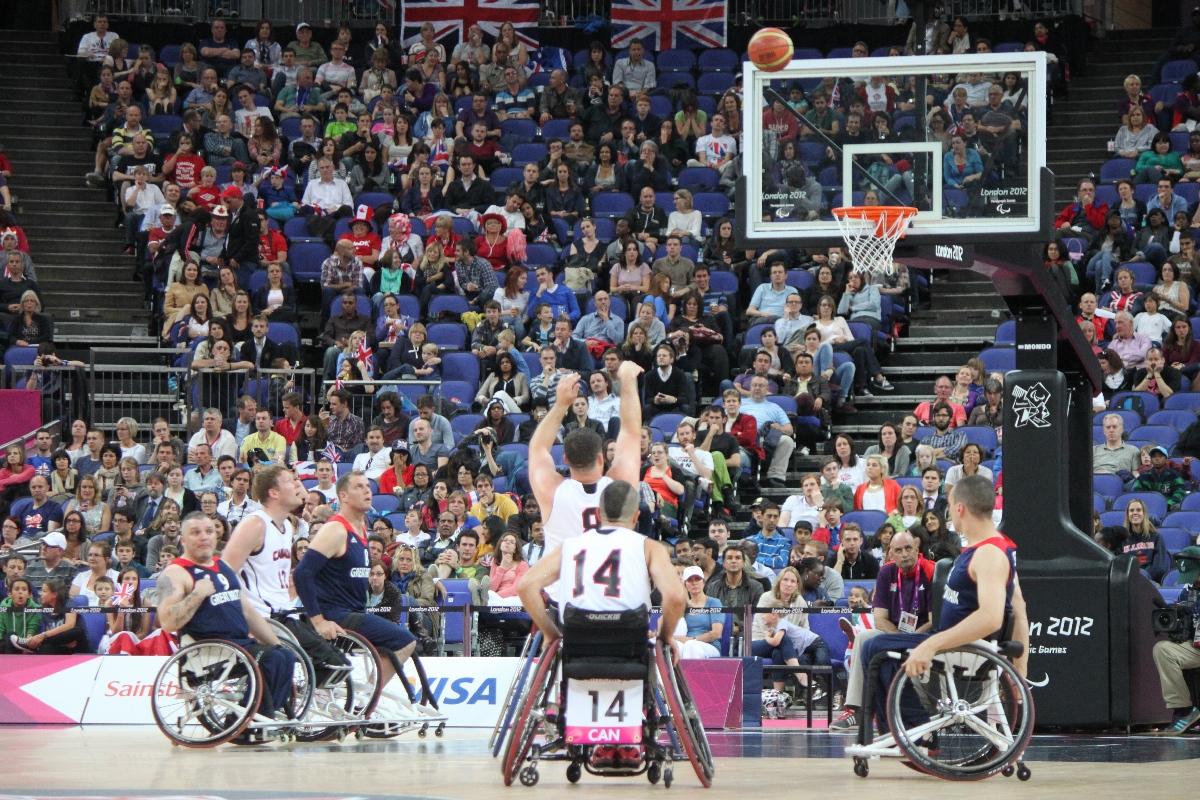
(604, 570)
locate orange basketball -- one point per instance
(770, 49)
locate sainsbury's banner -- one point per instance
(117, 689)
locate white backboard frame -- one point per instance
(927, 227)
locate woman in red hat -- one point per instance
(492, 244)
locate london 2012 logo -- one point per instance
(1031, 405)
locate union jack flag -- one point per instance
(331, 453)
(366, 356)
(121, 593)
(453, 18)
(662, 24)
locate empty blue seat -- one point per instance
(452, 335)
(675, 60)
(1175, 539)
(1006, 332)
(1109, 486)
(451, 304)
(306, 259)
(697, 179)
(460, 367)
(1179, 420)
(999, 359)
(1175, 71)
(714, 82)
(720, 59)
(712, 205)
(612, 205)
(518, 131)
(528, 153)
(1115, 169)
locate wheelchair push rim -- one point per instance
(217, 692)
(354, 697)
(980, 710)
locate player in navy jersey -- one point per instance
(201, 597)
(981, 594)
(331, 579)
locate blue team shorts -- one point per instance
(378, 631)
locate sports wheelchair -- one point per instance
(572, 699)
(970, 716)
(209, 692)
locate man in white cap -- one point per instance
(50, 564)
(308, 53)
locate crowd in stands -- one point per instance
(480, 222)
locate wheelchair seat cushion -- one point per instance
(605, 644)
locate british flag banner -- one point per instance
(662, 24)
(453, 18)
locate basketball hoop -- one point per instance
(871, 233)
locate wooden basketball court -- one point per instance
(111, 761)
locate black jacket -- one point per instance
(651, 222)
(478, 197)
(270, 352)
(243, 235)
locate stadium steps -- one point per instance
(1084, 122)
(86, 282)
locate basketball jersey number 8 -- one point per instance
(608, 574)
(591, 519)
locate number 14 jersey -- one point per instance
(604, 570)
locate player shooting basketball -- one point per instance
(571, 505)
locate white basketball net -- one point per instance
(871, 238)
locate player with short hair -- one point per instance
(981, 594)
(200, 596)
(331, 582)
(570, 505)
(609, 567)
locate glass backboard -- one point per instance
(961, 138)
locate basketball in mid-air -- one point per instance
(770, 49)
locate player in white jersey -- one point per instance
(260, 548)
(260, 551)
(609, 568)
(569, 505)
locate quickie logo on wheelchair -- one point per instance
(604, 712)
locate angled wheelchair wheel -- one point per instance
(531, 711)
(685, 719)
(304, 677)
(352, 698)
(533, 643)
(206, 694)
(968, 718)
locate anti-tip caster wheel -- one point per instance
(1023, 773)
(668, 777)
(359, 734)
(574, 772)
(341, 735)
(440, 730)
(424, 729)
(1008, 771)
(653, 773)
(529, 776)
(860, 767)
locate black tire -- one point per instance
(684, 717)
(520, 738)
(362, 654)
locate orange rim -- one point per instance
(880, 215)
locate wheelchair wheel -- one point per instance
(969, 717)
(532, 645)
(206, 694)
(531, 707)
(304, 679)
(685, 719)
(352, 698)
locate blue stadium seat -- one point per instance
(1179, 420)
(283, 333)
(385, 503)
(697, 179)
(754, 333)
(666, 424)
(723, 281)
(675, 60)
(374, 200)
(999, 359)
(1131, 419)
(169, 55)
(306, 259)
(1006, 332)
(807, 54)
(1156, 504)
(447, 304)
(982, 435)
(163, 126)
(296, 230)
(1099, 503)
(1159, 434)
(518, 131)
(458, 393)
(538, 254)
(465, 424)
(1110, 518)
(556, 129)
(828, 627)
(503, 177)
(448, 335)
(1175, 71)
(869, 521)
(718, 60)
(800, 279)
(1188, 520)
(612, 205)
(1114, 169)
(711, 205)
(1109, 486)
(839, 52)
(528, 153)
(714, 82)
(461, 367)
(1191, 502)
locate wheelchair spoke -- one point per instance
(994, 736)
